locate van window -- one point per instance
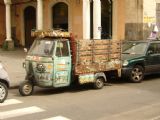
(155, 48)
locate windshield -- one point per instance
(42, 47)
(134, 47)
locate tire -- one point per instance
(99, 83)
(26, 88)
(137, 74)
(3, 92)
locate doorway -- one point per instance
(29, 24)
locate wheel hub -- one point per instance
(137, 74)
(99, 83)
(27, 89)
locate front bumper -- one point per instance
(44, 83)
(126, 71)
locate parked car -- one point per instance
(140, 58)
(4, 83)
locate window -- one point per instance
(42, 47)
(154, 48)
(158, 48)
(60, 16)
(62, 49)
(134, 47)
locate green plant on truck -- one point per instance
(56, 59)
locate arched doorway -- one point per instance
(29, 24)
(60, 16)
(106, 19)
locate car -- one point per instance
(4, 83)
(139, 58)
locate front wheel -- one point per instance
(99, 83)
(3, 92)
(26, 88)
(137, 74)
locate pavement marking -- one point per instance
(124, 115)
(10, 102)
(155, 118)
(57, 118)
(138, 109)
(20, 112)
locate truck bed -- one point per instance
(90, 56)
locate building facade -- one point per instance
(142, 18)
(86, 19)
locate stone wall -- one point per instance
(134, 18)
(140, 19)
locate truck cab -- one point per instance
(50, 61)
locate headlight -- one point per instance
(125, 63)
(24, 65)
(41, 67)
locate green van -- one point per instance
(140, 58)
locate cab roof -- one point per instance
(50, 33)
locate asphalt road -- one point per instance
(117, 101)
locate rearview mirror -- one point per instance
(25, 50)
(149, 52)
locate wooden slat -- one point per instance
(97, 55)
(83, 69)
(115, 56)
(106, 47)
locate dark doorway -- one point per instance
(106, 19)
(60, 16)
(30, 23)
(91, 19)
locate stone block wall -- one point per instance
(140, 19)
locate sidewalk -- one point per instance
(12, 61)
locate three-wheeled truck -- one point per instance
(56, 59)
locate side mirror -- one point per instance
(25, 50)
(149, 52)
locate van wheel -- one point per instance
(137, 74)
(3, 92)
(99, 83)
(26, 88)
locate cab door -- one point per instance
(62, 64)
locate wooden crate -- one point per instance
(97, 55)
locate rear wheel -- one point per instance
(99, 83)
(26, 88)
(3, 92)
(137, 74)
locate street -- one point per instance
(52, 43)
(117, 101)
